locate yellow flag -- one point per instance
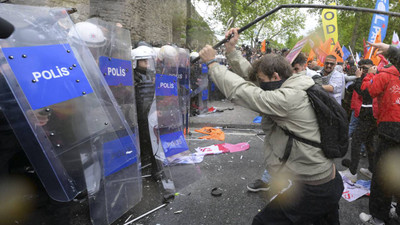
(329, 24)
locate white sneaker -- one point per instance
(392, 212)
(366, 172)
(368, 219)
(346, 173)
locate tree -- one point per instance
(274, 27)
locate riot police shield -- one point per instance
(199, 85)
(111, 48)
(184, 86)
(65, 118)
(166, 124)
(143, 61)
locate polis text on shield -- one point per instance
(120, 72)
(51, 73)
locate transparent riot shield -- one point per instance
(183, 86)
(166, 125)
(65, 118)
(199, 84)
(143, 58)
(113, 56)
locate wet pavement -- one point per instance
(194, 204)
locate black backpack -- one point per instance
(333, 125)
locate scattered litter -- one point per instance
(242, 178)
(128, 218)
(151, 211)
(168, 198)
(222, 148)
(179, 211)
(216, 192)
(257, 119)
(353, 191)
(213, 133)
(241, 157)
(230, 161)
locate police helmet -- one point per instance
(142, 52)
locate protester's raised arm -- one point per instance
(231, 44)
(382, 47)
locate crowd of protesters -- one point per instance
(371, 97)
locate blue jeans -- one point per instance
(353, 124)
(352, 128)
(266, 176)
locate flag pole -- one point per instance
(353, 56)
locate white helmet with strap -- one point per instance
(142, 52)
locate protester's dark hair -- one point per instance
(331, 57)
(300, 59)
(365, 62)
(270, 63)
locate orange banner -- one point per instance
(337, 52)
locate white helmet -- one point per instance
(89, 33)
(194, 55)
(142, 52)
(167, 52)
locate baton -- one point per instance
(274, 10)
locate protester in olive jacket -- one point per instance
(283, 103)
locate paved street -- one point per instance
(195, 205)
(230, 172)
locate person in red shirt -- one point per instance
(385, 86)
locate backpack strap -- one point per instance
(306, 141)
(289, 145)
(286, 154)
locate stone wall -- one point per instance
(154, 21)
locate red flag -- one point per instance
(365, 48)
(383, 62)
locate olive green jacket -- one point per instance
(287, 107)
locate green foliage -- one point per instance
(275, 27)
(285, 25)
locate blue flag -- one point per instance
(346, 53)
(379, 21)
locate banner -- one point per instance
(379, 21)
(371, 54)
(326, 46)
(311, 56)
(346, 53)
(395, 40)
(337, 52)
(329, 24)
(263, 48)
(296, 50)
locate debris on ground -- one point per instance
(213, 133)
